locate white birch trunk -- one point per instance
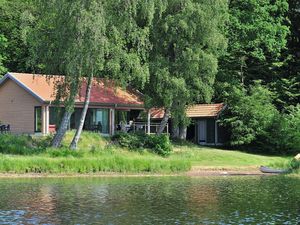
(76, 137)
(164, 122)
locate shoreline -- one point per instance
(196, 171)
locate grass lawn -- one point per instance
(96, 154)
(213, 157)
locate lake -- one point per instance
(151, 200)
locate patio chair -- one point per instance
(99, 127)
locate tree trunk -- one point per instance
(69, 106)
(76, 137)
(182, 132)
(175, 130)
(164, 122)
(56, 142)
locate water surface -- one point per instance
(151, 200)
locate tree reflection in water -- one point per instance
(150, 200)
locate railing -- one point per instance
(143, 126)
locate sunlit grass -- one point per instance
(107, 163)
(98, 154)
(209, 156)
(95, 154)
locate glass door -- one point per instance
(101, 120)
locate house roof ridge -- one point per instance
(43, 87)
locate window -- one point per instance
(100, 118)
(55, 115)
(38, 119)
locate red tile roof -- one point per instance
(198, 110)
(103, 91)
(205, 110)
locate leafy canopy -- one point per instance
(187, 39)
(251, 112)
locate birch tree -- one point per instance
(93, 48)
(68, 40)
(187, 38)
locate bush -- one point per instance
(250, 113)
(283, 136)
(133, 141)
(255, 123)
(159, 144)
(20, 145)
(295, 164)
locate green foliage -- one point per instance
(132, 141)
(258, 28)
(257, 33)
(128, 47)
(287, 92)
(283, 136)
(251, 113)
(159, 144)
(295, 164)
(15, 19)
(287, 82)
(187, 39)
(72, 33)
(254, 121)
(3, 46)
(21, 145)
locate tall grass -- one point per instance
(95, 154)
(98, 154)
(113, 163)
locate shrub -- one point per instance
(283, 136)
(22, 144)
(19, 145)
(295, 164)
(250, 113)
(131, 141)
(159, 144)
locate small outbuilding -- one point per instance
(205, 128)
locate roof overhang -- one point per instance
(112, 105)
(11, 77)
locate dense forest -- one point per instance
(245, 53)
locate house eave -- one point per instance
(109, 105)
(10, 76)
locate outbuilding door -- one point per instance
(202, 131)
